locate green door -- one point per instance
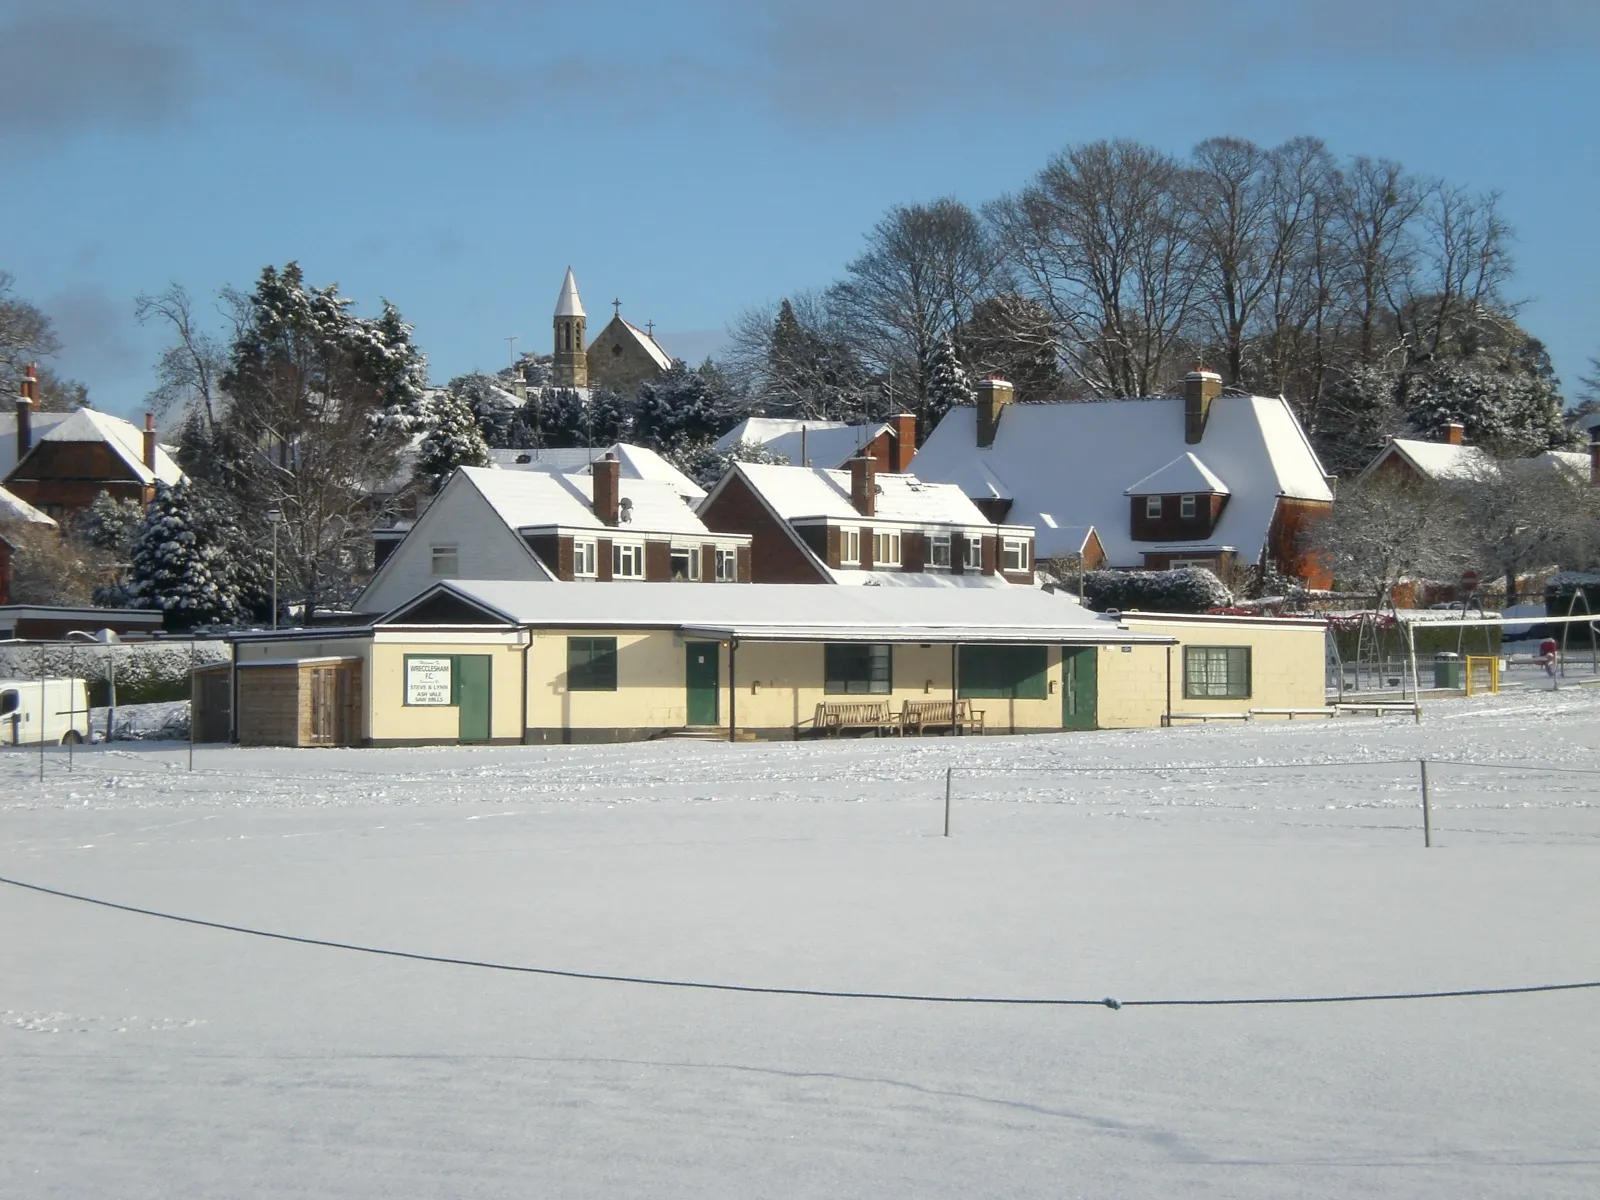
(471, 677)
(1078, 671)
(702, 680)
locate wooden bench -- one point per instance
(1185, 716)
(919, 716)
(1378, 707)
(835, 716)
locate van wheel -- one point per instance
(72, 738)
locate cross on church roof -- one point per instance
(616, 308)
(650, 328)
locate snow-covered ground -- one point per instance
(143, 1058)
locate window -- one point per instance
(939, 550)
(1152, 507)
(857, 669)
(973, 559)
(850, 546)
(1216, 672)
(1186, 507)
(684, 563)
(591, 664)
(583, 560)
(627, 560)
(727, 566)
(445, 562)
(886, 549)
(1014, 554)
(1004, 672)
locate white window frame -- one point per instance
(1014, 549)
(938, 551)
(885, 548)
(630, 554)
(1187, 506)
(727, 565)
(1152, 508)
(849, 547)
(692, 553)
(439, 555)
(972, 553)
(585, 559)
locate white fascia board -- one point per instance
(450, 635)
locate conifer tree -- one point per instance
(453, 440)
(945, 384)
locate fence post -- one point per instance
(949, 774)
(1427, 819)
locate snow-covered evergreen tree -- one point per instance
(945, 383)
(1505, 405)
(453, 440)
(111, 524)
(679, 409)
(609, 419)
(190, 558)
(704, 463)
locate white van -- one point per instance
(55, 709)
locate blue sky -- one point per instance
(696, 158)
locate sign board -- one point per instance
(428, 680)
(1470, 580)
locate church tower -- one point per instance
(571, 361)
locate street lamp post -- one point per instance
(274, 518)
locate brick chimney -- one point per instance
(993, 395)
(27, 401)
(1594, 456)
(150, 440)
(1451, 433)
(607, 489)
(863, 486)
(1200, 388)
(905, 442)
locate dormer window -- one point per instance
(939, 551)
(973, 560)
(1014, 554)
(1186, 507)
(849, 547)
(1152, 507)
(886, 549)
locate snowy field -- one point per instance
(144, 1058)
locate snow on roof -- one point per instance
(567, 303)
(798, 492)
(646, 341)
(798, 611)
(1186, 473)
(637, 462)
(125, 441)
(1074, 460)
(15, 508)
(1439, 460)
(917, 579)
(1069, 539)
(532, 499)
(42, 423)
(815, 443)
(1574, 462)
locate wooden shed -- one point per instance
(300, 702)
(211, 702)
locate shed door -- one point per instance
(471, 681)
(1078, 687)
(702, 678)
(327, 724)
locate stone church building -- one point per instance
(622, 357)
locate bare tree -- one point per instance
(925, 267)
(796, 360)
(26, 335)
(50, 566)
(1383, 530)
(1527, 516)
(188, 371)
(1378, 201)
(1104, 240)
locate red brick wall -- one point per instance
(1170, 527)
(772, 557)
(657, 562)
(548, 547)
(72, 474)
(1289, 523)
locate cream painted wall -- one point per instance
(1286, 662)
(389, 718)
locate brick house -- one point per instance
(890, 444)
(60, 462)
(814, 525)
(551, 527)
(1448, 458)
(1201, 479)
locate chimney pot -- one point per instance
(993, 395)
(607, 489)
(1452, 433)
(1200, 388)
(30, 385)
(863, 486)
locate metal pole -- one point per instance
(72, 700)
(949, 773)
(191, 703)
(41, 712)
(733, 689)
(955, 698)
(111, 680)
(1427, 818)
(275, 576)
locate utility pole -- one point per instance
(511, 343)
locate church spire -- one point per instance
(567, 303)
(571, 365)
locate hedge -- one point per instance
(1187, 590)
(146, 671)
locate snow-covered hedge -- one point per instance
(1188, 590)
(146, 671)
